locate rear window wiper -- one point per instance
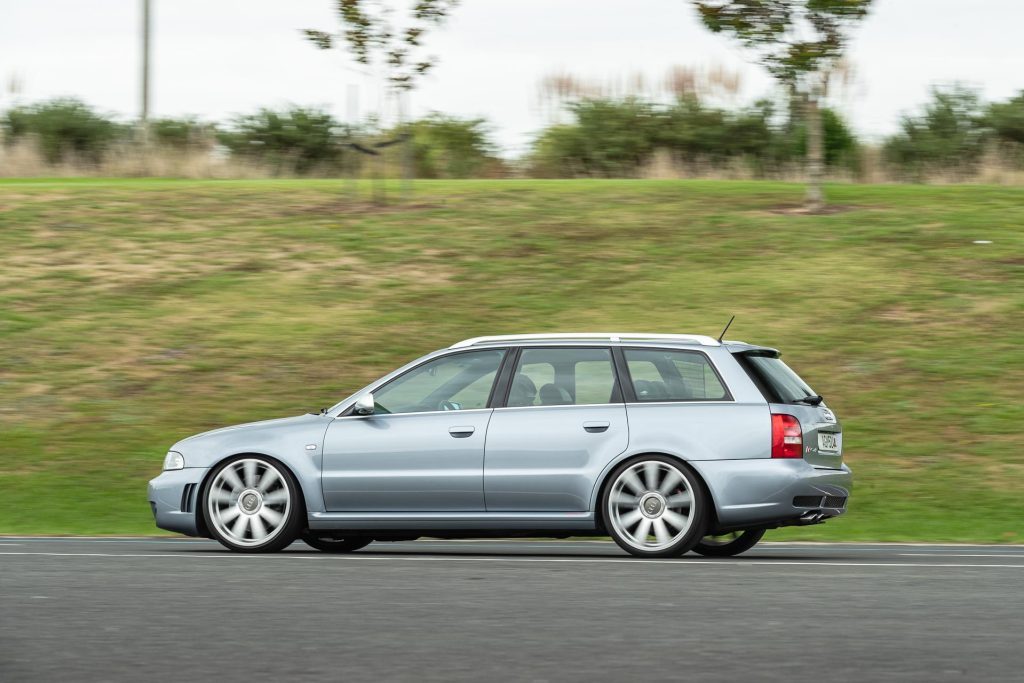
(809, 400)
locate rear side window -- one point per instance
(556, 377)
(666, 375)
(776, 379)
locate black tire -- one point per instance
(682, 537)
(328, 544)
(741, 543)
(292, 514)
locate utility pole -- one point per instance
(144, 114)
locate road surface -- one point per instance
(185, 610)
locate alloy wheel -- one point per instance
(249, 502)
(651, 505)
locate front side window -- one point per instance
(668, 375)
(561, 377)
(462, 381)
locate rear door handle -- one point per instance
(461, 432)
(595, 427)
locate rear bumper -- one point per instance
(766, 491)
(173, 506)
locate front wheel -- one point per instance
(654, 507)
(328, 544)
(730, 544)
(252, 505)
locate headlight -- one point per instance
(174, 461)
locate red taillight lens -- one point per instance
(787, 438)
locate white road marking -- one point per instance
(558, 560)
(1020, 555)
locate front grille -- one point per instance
(834, 502)
(186, 497)
(807, 501)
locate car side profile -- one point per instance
(666, 443)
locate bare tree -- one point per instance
(800, 42)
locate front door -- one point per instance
(563, 422)
(422, 450)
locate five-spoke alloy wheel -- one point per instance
(654, 507)
(252, 505)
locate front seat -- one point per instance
(554, 395)
(523, 391)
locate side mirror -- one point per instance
(364, 405)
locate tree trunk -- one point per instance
(815, 154)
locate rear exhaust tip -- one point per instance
(813, 517)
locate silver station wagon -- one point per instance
(667, 443)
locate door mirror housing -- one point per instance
(364, 405)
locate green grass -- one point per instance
(136, 312)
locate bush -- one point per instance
(1007, 119)
(950, 133)
(295, 140)
(450, 147)
(617, 137)
(182, 134)
(841, 146)
(64, 129)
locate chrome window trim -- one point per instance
(425, 412)
(561, 405)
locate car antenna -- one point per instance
(726, 329)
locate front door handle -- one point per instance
(596, 427)
(461, 432)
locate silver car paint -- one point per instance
(411, 462)
(726, 442)
(547, 458)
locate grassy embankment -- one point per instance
(133, 313)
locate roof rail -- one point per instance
(701, 339)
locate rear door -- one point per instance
(563, 421)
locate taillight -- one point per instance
(787, 439)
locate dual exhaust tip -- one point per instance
(814, 517)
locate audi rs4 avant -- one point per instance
(667, 443)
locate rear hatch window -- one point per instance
(775, 379)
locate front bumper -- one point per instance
(174, 498)
(768, 492)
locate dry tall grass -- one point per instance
(23, 159)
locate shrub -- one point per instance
(296, 140)
(65, 129)
(950, 133)
(450, 147)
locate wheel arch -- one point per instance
(202, 526)
(606, 478)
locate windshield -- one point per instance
(784, 385)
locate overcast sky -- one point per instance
(215, 58)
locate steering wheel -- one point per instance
(447, 405)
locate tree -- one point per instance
(369, 31)
(800, 42)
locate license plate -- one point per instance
(829, 442)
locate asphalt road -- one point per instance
(184, 610)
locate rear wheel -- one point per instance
(329, 544)
(730, 544)
(654, 507)
(252, 505)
